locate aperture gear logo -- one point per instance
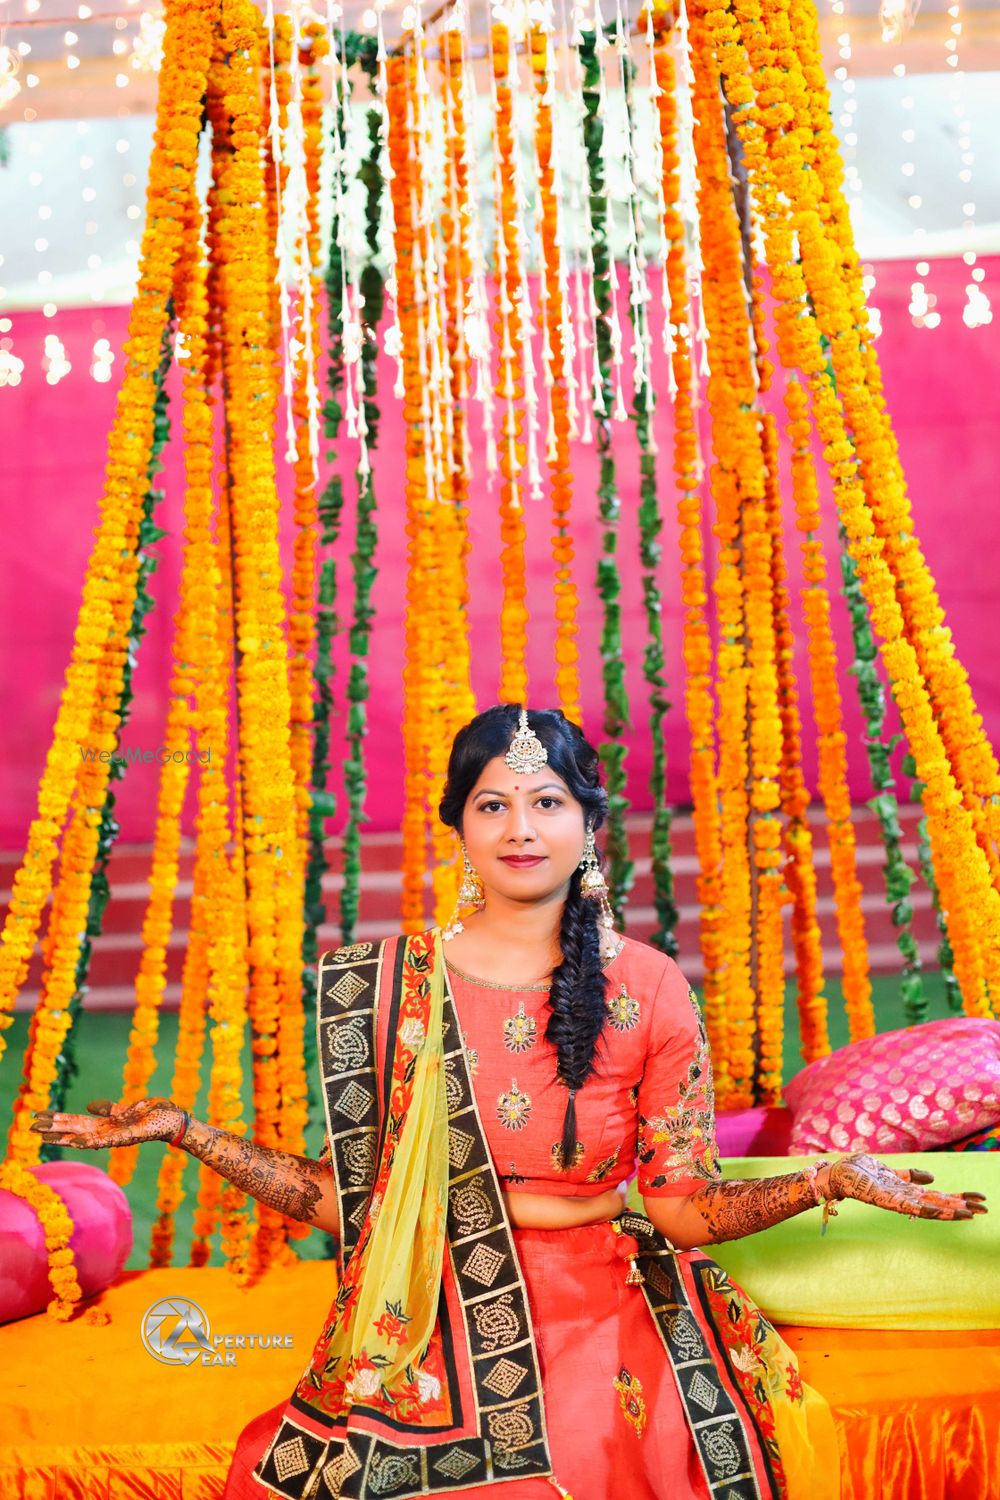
(176, 1331)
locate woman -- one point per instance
(499, 1316)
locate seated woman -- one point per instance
(499, 1315)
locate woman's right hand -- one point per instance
(115, 1124)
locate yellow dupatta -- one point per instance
(397, 1267)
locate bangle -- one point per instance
(183, 1130)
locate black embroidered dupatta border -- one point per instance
(510, 1441)
(720, 1420)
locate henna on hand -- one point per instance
(151, 1119)
(901, 1190)
(744, 1206)
(293, 1185)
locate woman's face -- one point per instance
(524, 833)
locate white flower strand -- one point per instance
(638, 285)
(688, 193)
(582, 308)
(392, 339)
(662, 243)
(524, 307)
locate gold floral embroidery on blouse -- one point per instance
(519, 1031)
(513, 1107)
(623, 1010)
(687, 1127)
(604, 1168)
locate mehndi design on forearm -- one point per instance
(746, 1206)
(291, 1184)
(734, 1209)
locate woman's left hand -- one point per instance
(901, 1190)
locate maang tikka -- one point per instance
(470, 893)
(526, 753)
(593, 887)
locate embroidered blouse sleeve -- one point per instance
(676, 1102)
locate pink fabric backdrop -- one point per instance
(944, 392)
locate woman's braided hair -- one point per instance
(577, 999)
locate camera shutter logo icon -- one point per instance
(175, 1330)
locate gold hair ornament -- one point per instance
(526, 753)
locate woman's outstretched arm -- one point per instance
(741, 1206)
(294, 1185)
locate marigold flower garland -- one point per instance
(313, 48)
(510, 382)
(828, 717)
(560, 467)
(401, 71)
(974, 763)
(273, 868)
(175, 773)
(92, 697)
(970, 897)
(57, 1226)
(737, 487)
(697, 648)
(450, 701)
(800, 870)
(616, 712)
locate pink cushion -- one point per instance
(902, 1091)
(760, 1131)
(101, 1239)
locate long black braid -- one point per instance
(577, 999)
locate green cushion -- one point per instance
(873, 1268)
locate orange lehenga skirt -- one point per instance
(615, 1421)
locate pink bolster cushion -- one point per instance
(101, 1240)
(901, 1091)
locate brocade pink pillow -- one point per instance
(908, 1090)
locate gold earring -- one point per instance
(470, 893)
(594, 887)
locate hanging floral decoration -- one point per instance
(558, 369)
(510, 387)
(743, 157)
(699, 700)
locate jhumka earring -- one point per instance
(470, 893)
(593, 887)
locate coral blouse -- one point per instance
(649, 1105)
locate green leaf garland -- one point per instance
(616, 713)
(650, 528)
(898, 876)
